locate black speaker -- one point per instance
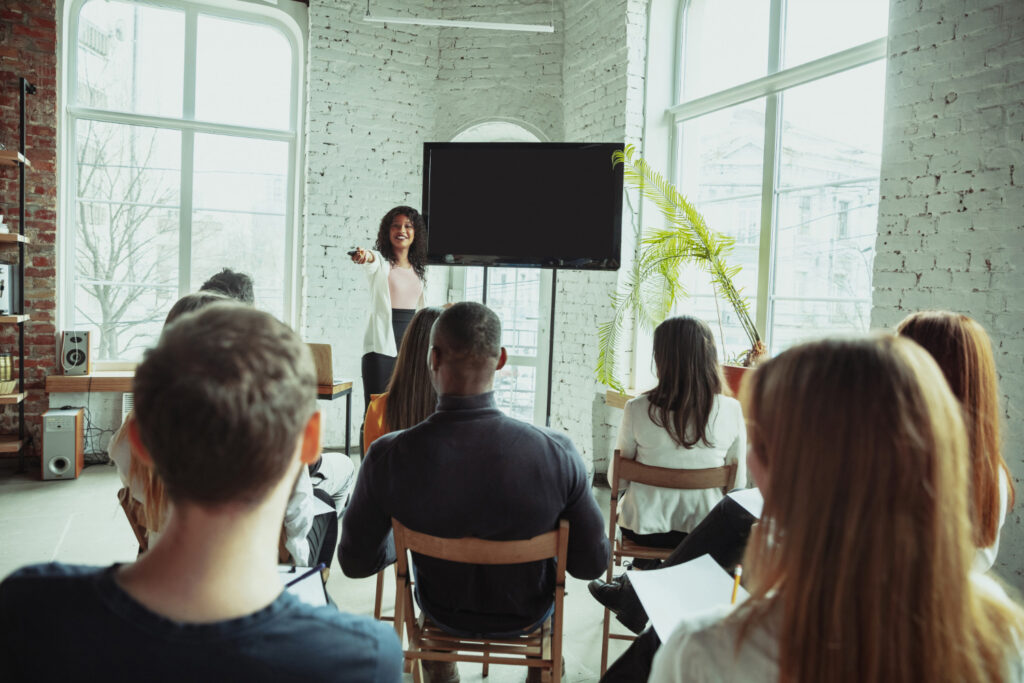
(75, 358)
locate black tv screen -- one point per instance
(535, 204)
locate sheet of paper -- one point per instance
(321, 508)
(750, 499)
(668, 595)
(310, 590)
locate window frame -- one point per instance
(188, 126)
(769, 87)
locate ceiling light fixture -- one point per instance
(457, 23)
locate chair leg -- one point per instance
(604, 640)
(380, 593)
(487, 665)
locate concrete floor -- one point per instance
(80, 522)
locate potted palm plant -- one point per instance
(654, 283)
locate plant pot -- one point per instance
(734, 377)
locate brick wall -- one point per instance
(28, 47)
(603, 101)
(951, 224)
(376, 93)
(507, 75)
(370, 108)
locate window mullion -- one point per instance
(187, 154)
(770, 174)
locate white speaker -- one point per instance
(63, 443)
(75, 358)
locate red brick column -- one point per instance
(28, 47)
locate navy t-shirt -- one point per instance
(66, 622)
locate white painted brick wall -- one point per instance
(376, 93)
(371, 102)
(603, 101)
(507, 75)
(951, 216)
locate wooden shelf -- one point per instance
(98, 382)
(12, 238)
(9, 443)
(12, 157)
(14, 318)
(8, 399)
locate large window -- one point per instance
(181, 149)
(777, 131)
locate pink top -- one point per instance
(405, 287)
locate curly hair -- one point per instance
(418, 250)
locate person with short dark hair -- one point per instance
(470, 471)
(231, 283)
(307, 539)
(226, 412)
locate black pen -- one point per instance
(312, 571)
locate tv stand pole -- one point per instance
(551, 344)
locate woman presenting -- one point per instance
(396, 272)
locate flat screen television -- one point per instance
(527, 204)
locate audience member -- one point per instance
(964, 354)
(225, 410)
(308, 538)
(333, 473)
(470, 471)
(410, 397)
(683, 423)
(238, 286)
(860, 567)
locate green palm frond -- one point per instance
(654, 283)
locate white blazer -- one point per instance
(651, 510)
(380, 335)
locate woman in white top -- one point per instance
(963, 351)
(860, 567)
(683, 423)
(396, 270)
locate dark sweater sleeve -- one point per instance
(588, 540)
(366, 544)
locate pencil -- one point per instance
(736, 583)
(320, 566)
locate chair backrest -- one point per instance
(133, 511)
(627, 469)
(552, 544)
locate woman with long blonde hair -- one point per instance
(963, 351)
(860, 568)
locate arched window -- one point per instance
(180, 149)
(777, 132)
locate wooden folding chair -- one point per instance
(133, 511)
(629, 470)
(541, 648)
(378, 598)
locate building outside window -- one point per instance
(777, 131)
(182, 150)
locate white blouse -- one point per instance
(650, 510)
(380, 336)
(703, 649)
(986, 557)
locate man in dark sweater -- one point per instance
(470, 471)
(225, 409)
